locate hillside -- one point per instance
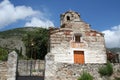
(17, 32)
(12, 39)
(16, 39)
(114, 50)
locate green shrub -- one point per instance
(103, 71)
(3, 54)
(107, 70)
(85, 76)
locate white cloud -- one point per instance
(112, 37)
(10, 14)
(36, 22)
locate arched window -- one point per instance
(68, 18)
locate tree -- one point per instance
(36, 43)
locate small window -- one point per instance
(77, 38)
(68, 18)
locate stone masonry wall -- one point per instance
(13, 67)
(73, 71)
(63, 45)
(3, 70)
(8, 68)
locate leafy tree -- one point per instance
(36, 43)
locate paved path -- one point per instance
(30, 78)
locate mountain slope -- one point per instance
(17, 32)
(12, 39)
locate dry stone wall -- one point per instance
(12, 68)
(65, 71)
(3, 70)
(8, 68)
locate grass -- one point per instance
(85, 76)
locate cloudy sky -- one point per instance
(102, 15)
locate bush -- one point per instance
(85, 76)
(3, 54)
(107, 70)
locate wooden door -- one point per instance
(79, 57)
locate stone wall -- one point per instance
(60, 71)
(8, 68)
(63, 45)
(12, 68)
(3, 70)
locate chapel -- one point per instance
(75, 42)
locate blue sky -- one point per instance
(102, 15)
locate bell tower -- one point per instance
(69, 17)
